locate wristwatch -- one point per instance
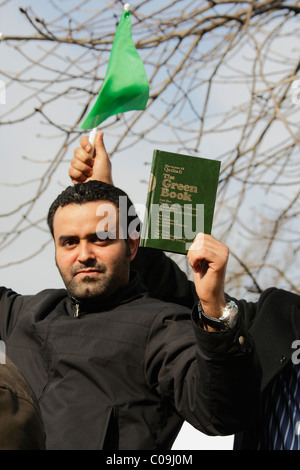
(226, 322)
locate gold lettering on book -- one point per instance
(174, 190)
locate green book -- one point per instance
(180, 201)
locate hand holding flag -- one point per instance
(85, 167)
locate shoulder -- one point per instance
(50, 294)
(59, 293)
(272, 296)
(14, 302)
(275, 297)
(273, 303)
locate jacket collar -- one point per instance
(132, 291)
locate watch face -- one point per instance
(225, 315)
(231, 313)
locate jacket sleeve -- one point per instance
(10, 306)
(211, 378)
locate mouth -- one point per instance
(88, 272)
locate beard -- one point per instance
(90, 288)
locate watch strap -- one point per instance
(225, 322)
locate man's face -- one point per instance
(91, 267)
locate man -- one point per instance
(273, 322)
(111, 367)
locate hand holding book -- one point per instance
(208, 257)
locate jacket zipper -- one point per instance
(76, 314)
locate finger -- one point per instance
(203, 267)
(83, 156)
(206, 247)
(85, 144)
(102, 169)
(81, 167)
(194, 254)
(198, 242)
(99, 146)
(216, 258)
(77, 176)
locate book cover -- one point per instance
(180, 202)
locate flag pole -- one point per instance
(94, 131)
(92, 138)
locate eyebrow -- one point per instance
(90, 236)
(64, 238)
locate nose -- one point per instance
(85, 252)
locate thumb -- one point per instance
(102, 170)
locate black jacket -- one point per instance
(126, 373)
(273, 322)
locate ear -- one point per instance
(133, 242)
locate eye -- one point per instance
(105, 236)
(70, 242)
(101, 235)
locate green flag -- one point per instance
(125, 87)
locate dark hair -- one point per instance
(91, 191)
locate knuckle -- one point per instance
(77, 152)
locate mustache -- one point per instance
(100, 267)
